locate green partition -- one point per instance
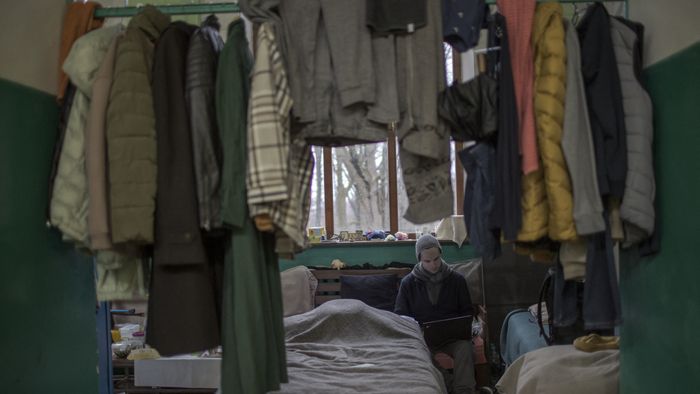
(47, 293)
(376, 253)
(661, 295)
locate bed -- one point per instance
(346, 346)
(342, 345)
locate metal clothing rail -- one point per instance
(227, 8)
(184, 9)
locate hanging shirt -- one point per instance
(279, 169)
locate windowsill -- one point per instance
(336, 244)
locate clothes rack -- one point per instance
(230, 7)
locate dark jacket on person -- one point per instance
(202, 60)
(453, 300)
(183, 312)
(604, 97)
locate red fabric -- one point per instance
(519, 15)
(446, 362)
(77, 21)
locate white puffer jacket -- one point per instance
(69, 202)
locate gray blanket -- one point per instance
(345, 346)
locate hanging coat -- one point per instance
(69, 201)
(548, 42)
(253, 333)
(96, 153)
(182, 310)
(507, 212)
(202, 58)
(637, 209)
(534, 206)
(604, 97)
(577, 144)
(131, 134)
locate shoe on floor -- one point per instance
(595, 342)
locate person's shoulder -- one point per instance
(409, 278)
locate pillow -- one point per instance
(471, 271)
(378, 291)
(298, 290)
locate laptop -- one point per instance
(438, 333)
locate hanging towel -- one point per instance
(519, 16)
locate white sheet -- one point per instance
(562, 369)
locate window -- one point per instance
(364, 188)
(361, 187)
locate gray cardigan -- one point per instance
(637, 209)
(577, 144)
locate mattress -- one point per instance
(345, 346)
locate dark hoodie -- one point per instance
(452, 295)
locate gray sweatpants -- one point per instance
(349, 41)
(463, 379)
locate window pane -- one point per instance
(361, 187)
(317, 212)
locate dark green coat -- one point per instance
(131, 133)
(252, 332)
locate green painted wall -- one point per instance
(47, 332)
(661, 295)
(376, 253)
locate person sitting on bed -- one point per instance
(432, 291)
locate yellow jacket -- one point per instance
(549, 49)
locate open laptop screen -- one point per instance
(439, 333)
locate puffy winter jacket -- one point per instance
(131, 135)
(548, 41)
(637, 209)
(202, 59)
(69, 201)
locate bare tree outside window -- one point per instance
(317, 214)
(360, 187)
